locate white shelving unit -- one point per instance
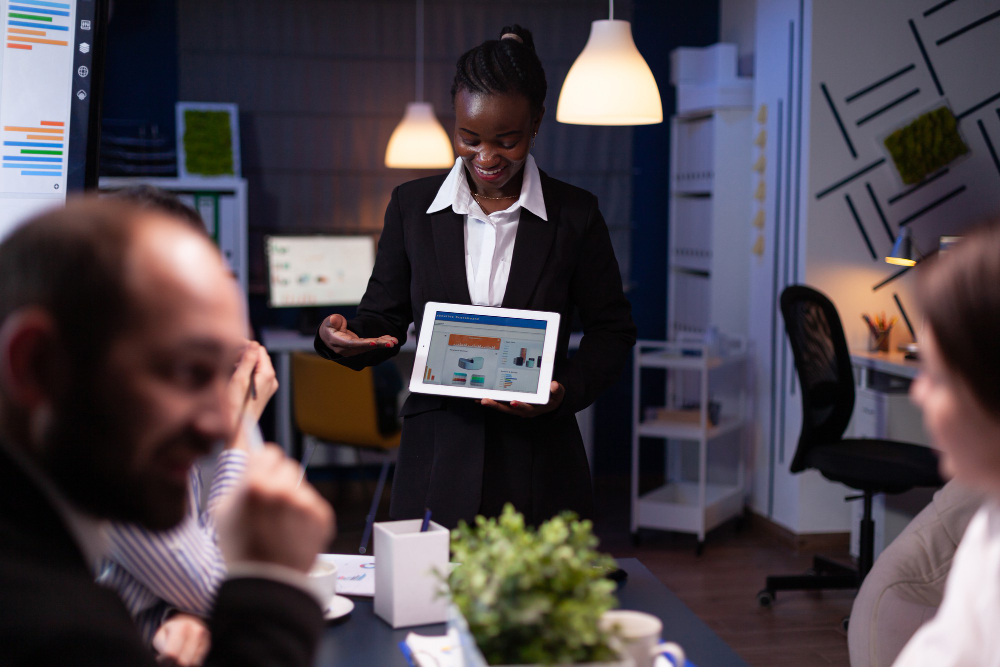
(686, 504)
(222, 203)
(709, 254)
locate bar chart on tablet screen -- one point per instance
(36, 73)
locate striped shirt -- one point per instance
(182, 568)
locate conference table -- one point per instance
(364, 640)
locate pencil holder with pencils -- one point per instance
(879, 329)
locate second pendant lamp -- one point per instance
(419, 141)
(610, 82)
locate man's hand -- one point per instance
(556, 394)
(255, 365)
(182, 641)
(335, 334)
(272, 518)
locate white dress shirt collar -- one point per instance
(455, 192)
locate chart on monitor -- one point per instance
(50, 59)
(318, 270)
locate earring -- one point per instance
(533, 140)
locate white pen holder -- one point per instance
(410, 566)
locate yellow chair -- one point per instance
(337, 405)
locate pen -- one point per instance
(305, 460)
(427, 521)
(871, 325)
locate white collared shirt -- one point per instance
(964, 630)
(489, 238)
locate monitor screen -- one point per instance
(318, 270)
(51, 61)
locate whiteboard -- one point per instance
(318, 270)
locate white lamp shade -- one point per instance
(610, 83)
(419, 141)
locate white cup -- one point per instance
(323, 579)
(640, 636)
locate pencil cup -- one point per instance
(410, 565)
(879, 343)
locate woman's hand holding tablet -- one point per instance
(343, 341)
(556, 394)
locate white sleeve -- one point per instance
(954, 638)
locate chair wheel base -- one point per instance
(765, 598)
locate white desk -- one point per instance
(891, 363)
(882, 409)
(280, 343)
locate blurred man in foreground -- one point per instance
(119, 330)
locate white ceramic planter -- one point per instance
(472, 657)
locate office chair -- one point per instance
(871, 466)
(338, 405)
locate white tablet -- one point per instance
(482, 352)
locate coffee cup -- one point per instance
(323, 579)
(639, 634)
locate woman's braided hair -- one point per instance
(501, 66)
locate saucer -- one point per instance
(339, 607)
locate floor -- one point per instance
(801, 629)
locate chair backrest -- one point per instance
(334, 403)
(823, 363)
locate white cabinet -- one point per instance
(705, 439)
(222, 204)
(709, 255)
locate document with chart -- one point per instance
(481, 352)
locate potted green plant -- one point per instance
(522, 596)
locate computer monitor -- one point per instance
(51, 70)
(318, 270)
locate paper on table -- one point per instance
(432, 651)
(355, 574)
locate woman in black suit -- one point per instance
(495, 231)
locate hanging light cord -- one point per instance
(420, 50)
(611, 9)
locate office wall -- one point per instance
(322, 83)
(834, 202)
(140, 73)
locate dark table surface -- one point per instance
(364, 640)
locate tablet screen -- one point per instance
(485, 352)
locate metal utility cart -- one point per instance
(696, 374)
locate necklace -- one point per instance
(478, 196)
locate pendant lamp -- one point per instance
(610, 83)
(419, 141)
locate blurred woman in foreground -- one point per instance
(958, 391)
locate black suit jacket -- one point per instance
(52, 612)
(565, 264)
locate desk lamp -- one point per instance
(904, 251)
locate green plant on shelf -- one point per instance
(208, 143)
(533, 596)
(925, 145)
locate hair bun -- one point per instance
(518, 34)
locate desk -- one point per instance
(364, 640)
(882, 409)
(280, 343)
